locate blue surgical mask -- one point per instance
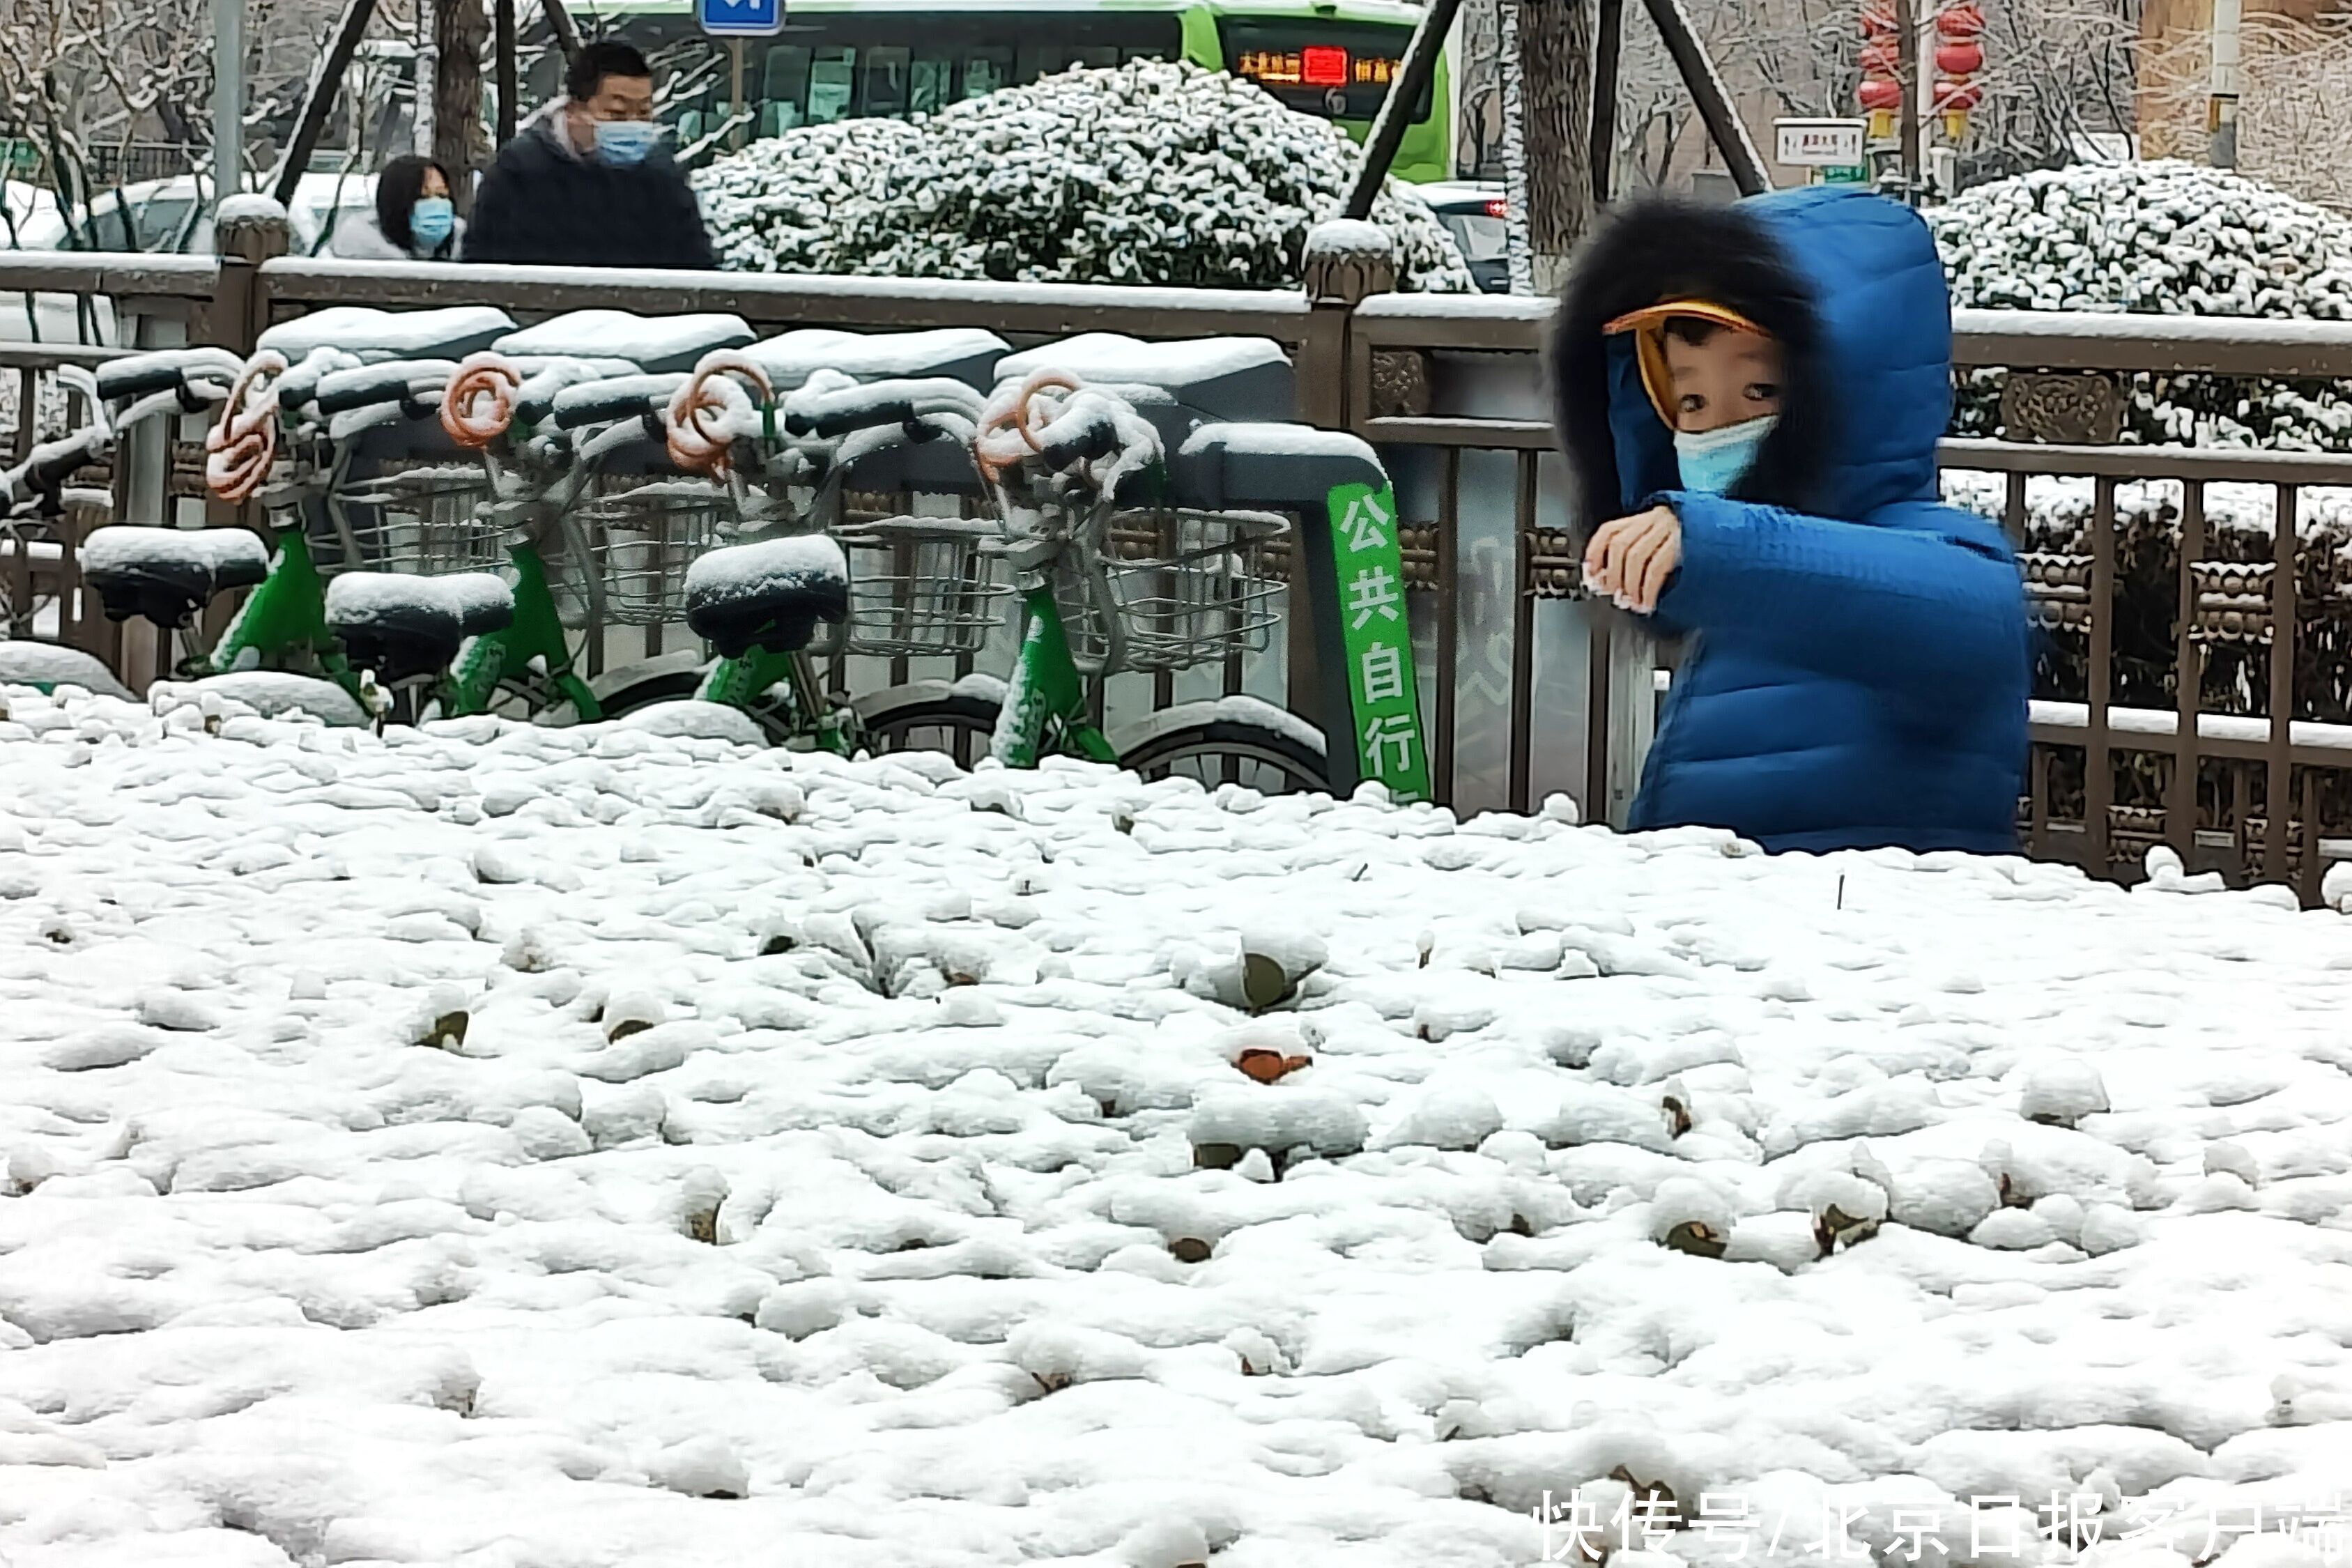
(1713, 461)
(625, 141)
(430, 221)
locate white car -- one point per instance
(151, 215)
(1472, 212)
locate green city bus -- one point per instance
(841, 58)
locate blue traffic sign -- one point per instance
(741, 18)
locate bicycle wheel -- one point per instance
(1267, 757)
(958, 723)
(776, 722)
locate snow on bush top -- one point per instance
(1150, 173)
(2160, 238)
(2165, 237)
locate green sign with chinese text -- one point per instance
(1381, 690)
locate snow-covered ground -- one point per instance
(505, 1146)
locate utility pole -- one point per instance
(228, 97)
(2221, 100)
(1906, 30)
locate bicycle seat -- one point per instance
(407, 627)
(1269, 466)
(166, 574)
(771, 594)
(1214, 379)
(372, 334)
(960, 354)
(652, 343)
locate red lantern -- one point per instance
(1877, 21)
(1959, 59)
(1880, 94)
(1962, 22)
(1954, 97)
(1881, 57)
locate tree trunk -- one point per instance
(1548, 95)
(460, 144)
(1477, 91)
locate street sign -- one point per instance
(1819, 143)
(741, 18)
(1844, 174)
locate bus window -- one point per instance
(833, 79)
(931, 87)
(884, 81)
(1052, 60)
(783, 87)
(986, 70)
(1337, 70)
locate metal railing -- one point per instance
(1530, 693)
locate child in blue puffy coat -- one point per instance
(1750, 398)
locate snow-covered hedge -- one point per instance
(1150, 173)
(2168, 238)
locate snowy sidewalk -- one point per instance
(499, 1146)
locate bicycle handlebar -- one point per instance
(614, 399)
(51, 464)
(841, 413)
(138, 375)
(1078, 437)
(535, 399)
(401, 382)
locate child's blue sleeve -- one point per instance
(1927, 597)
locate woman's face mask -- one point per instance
(1712, 462)
(431, 220)
(625, 141)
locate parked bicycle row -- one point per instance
(456, 506)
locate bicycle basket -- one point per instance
(1187, 588)
(642, 537)
(427, 520)
(920, 586)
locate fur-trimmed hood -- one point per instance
(1852, 287)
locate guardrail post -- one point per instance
(1343, 268)
(244, 237)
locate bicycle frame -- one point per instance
(1046, 709)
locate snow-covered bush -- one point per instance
(1150, 173)
(2160, 239)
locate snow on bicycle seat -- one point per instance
(403, 628)
(771, 594)
(166, 575)
(652, 343)
(1213, 378)
(1269, 466)
(958, 353)
(452, 332)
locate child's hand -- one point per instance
(1630, 560)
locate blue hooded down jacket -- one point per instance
(1856, 657)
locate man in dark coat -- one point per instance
(1751, 398)
(586, 183)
